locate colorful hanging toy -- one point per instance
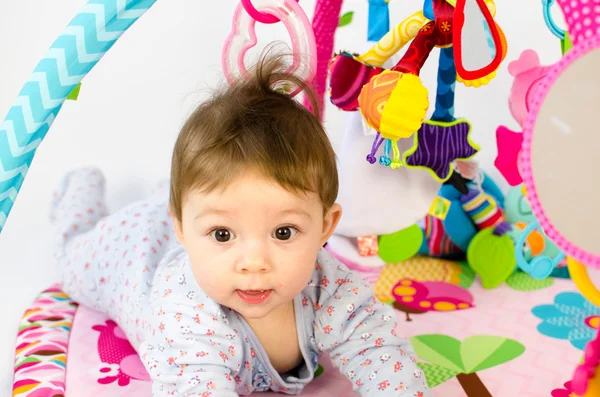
(394, 101)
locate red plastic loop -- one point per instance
(257, 15)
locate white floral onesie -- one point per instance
(129, 266)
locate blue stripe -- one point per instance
(379, 19)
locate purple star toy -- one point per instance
(438, 144)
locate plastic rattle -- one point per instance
(539, 267)
(243, 37)
(560, 144)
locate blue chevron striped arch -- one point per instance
(93, 31)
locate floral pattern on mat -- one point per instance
(571, 317)
(565, 392)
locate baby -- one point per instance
(222, 285)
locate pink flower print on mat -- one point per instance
(414, 297)
(566, 392)
(593, 322)
(121, 362)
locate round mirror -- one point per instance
(561, 155)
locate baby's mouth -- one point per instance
(254, 297)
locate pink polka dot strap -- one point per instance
(583, 18)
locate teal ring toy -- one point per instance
(552, 26)
(541, 266)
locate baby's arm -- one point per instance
(191, 352)
(358, 332)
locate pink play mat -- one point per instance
(68, 350)
(523, 339)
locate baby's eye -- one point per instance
(222, 235)
(285, 233)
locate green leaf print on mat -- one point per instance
(520, 281)
(466, 276)
(465, 359)
(436, 374)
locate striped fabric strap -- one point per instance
(482, 209)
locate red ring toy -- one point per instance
(257, 15)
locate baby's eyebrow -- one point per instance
(211, 211)
(217, 211)
(295, 211)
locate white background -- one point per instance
(134, 101)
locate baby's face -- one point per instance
(253, 245)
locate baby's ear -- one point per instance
(177, 226)
(330, 222)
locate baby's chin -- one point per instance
(254, 313)
(272, 307)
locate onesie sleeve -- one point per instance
(358, 333)
(191, 351)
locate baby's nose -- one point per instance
(254, 267)
(255, 260)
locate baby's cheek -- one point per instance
(215, 286)
(208, 276)
(296, 278)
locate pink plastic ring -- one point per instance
(257, 15)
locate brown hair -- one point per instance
(252, 124)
